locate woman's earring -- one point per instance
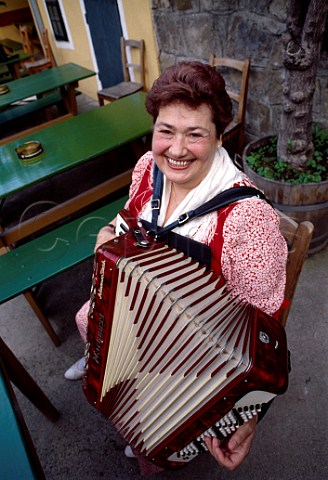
(220, 142)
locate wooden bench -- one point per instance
(52, 253)
(39, 104)
(15, 440)
(95, 134)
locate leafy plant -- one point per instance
(265, 163)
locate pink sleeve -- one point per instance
(254, 255)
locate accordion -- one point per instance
(170, 356)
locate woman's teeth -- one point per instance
(175, 163)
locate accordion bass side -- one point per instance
(171, 356)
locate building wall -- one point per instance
(11, 31)
(138, 22)
(192, 29)
(80, 53)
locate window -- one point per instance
(57, 21)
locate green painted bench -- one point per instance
(18, 457)
(90, 135)
(33, 106)
(52, 253)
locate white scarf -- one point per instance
(222, 175)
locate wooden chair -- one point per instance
(48, 61)
(26, 39)
(238, 71)
(298, 237)
(127, 87)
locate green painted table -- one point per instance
(65, 78)
(11, 45)
(73, 142)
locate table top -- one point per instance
(74, 141)
(12, 45)
(43, 82)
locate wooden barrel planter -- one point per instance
(308, 201)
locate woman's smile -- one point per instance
(178, 164)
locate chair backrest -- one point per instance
(298, 237)
(237, 93)
(47, 48)
(236, 74)
(133, 58)
(26, 39)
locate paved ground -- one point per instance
(291, 442)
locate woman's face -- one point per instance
(184, 143)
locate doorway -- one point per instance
(105, 28)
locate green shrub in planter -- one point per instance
(265, 163)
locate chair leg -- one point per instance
(44, 321)
(48, 114)
(25, 383)
(240, 142)
(101, 101)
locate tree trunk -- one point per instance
(305, 26)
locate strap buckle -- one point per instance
(183, 218)
(155, 204)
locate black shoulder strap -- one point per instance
(221, 200)
(231, 195)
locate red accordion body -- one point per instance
(171, 356)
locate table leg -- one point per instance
(25, 383)
(14, 70)
(69, 98)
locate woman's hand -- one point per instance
(232, 454)
(104, 235)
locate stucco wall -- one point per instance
(80, 53)
(139, 24)
(11, 31)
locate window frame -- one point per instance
(61, 41)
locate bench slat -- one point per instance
(53, 253)
(12, 442)
(33, 106)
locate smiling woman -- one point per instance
(184, 145)
(186, 168)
